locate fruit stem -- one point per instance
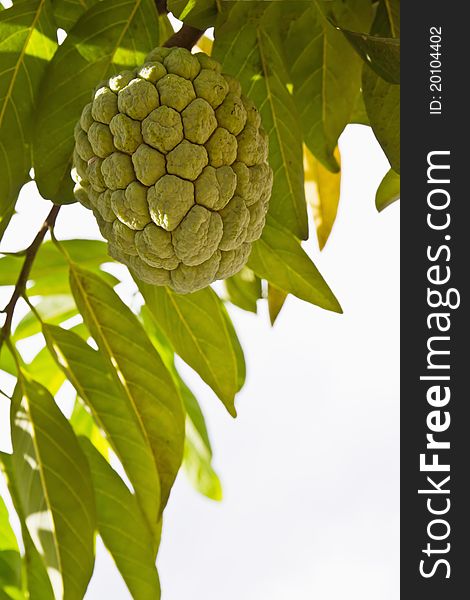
(186, 37)
(161, 7)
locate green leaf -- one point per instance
(198, 465)
(67, 12)
(27, 43)
(89, 253)
(59, 284)
(10, 558)
(5, 218)
(193, 410)
(165, 29)
(392, 8)
(244, 289)
(194, 413)
(123, 528)
(7, 364)
(197, 460)
(237, 348)
(44, 370)
(164, 349)
(54, 488)
(198, 328)
(326, 71)
(248, 46)
(197, 13)
(107, 38)
(38, 583)
(83, 424)
(125, 419)
(276, 299)
(278, 257)
(53, 309)
(359, 114)
(382, 101)
(380, 53)
(388, 190)
(50, 264)
(137, 368)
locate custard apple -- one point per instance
(172, 160)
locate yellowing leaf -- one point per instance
(205, 45)
(322, 189)
(276, 299)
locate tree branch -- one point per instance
(161, 7)
(186, 37)
(30, 255)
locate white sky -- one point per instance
(310, 466)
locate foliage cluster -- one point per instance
(311, 67)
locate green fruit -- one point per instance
(172, 160)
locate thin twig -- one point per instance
(5, 395)
(30, 255)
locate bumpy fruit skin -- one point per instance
(172, 160)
